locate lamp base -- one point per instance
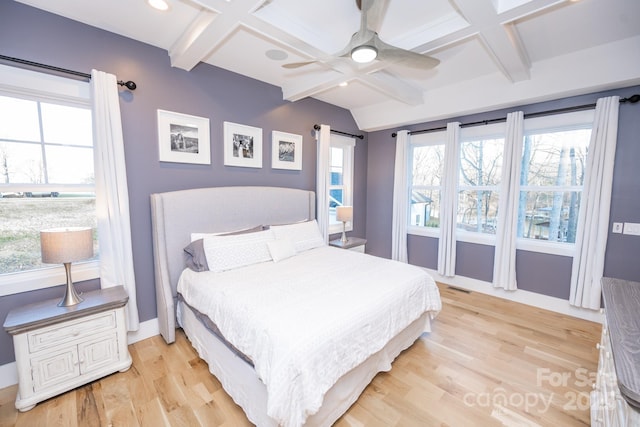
(344, 239)
(71, 297)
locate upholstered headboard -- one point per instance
(177, 214)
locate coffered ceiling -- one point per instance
(492, 53)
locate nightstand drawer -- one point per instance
(68, 331)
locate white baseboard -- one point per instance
(8, 375)
(546, 302)
(148, 329)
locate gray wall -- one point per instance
(536, 272)
(206, 91)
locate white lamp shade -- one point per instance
(344, 213)
(62, 245)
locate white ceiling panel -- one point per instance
(492, 53)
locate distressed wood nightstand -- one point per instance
(353, 244)
(60, 348)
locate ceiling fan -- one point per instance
(365, 45)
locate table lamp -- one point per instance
(64, 246)
(344, 214)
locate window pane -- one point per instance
(69, 165)
(481, 162)
(21, 163)
(62, 124)
(24, 217)
(337, 169)
(19, 119)
(477, 211)
(549, 215)
(556, 158)
(428, 165)
(425, 208)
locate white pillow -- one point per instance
(281, 249)
(229, 252)
(304, 235)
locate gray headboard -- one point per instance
(177, 214)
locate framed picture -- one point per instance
(242, 145)
(183, 138)
(286, 151)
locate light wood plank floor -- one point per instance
(488, 362)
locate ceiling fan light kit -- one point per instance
(365, 45)
(364, 54)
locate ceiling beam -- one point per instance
(212, 26)
(372, 77)
(501, 41)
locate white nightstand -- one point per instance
(353, 244)
(60, 348)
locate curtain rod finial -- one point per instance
(129, 84)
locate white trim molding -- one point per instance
(557, 305)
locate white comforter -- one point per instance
(307, 320)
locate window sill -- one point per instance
(15, 283)
(529, 245)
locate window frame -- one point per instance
(347, 145)
(559, 122)
(475, 133)
(41, 87)
(424, 139)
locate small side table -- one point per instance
(60, 348)
(356, 244)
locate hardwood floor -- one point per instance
(488, 362)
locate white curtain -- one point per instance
(112, 197)
(504, 264)
(323, 137)
(593, 221)
(448, 203)
(400, 199)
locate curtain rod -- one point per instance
(128, 84)
(632, 99)
(317, 127)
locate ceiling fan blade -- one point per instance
(387, 52)
(295, 65)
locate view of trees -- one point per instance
(552, 177)
(480, 175)
(427, 174)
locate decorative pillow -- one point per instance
(281, 249)
(195, 257)
(304, 235)
(238, 250)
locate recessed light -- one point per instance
(159, 4)
(276, 54)
(344, 84)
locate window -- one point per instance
(46, 177)
(479, 177)
(341, 160)
(552, 176)
(427, 171)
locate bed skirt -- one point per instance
(242, 383)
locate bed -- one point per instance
(336, 325)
